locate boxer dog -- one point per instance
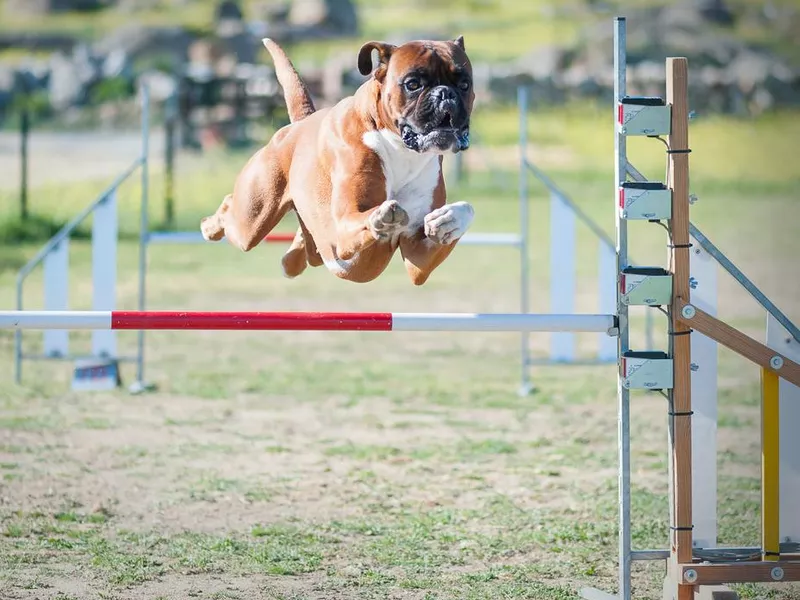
(365, 175)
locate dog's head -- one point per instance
(426, 93)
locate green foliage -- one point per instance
(110, 89)
(35, 228)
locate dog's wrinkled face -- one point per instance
(426, 92)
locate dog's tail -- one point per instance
(298, 99)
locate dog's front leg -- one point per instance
(358, 230)
(362, 211)
(429, 248)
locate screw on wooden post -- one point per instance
(680, 430)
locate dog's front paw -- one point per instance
(448, 223)
(387, 219)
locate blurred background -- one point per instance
(71, 71)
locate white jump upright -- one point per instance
(703, 284)
(567, 223)
(56, 277)
(54, 257)
(56, 297)
(104, 271)
(564, 216)
(562, 273)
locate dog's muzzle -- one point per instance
(445, 127)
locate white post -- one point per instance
(56, 296)
(562, 274)
(789, 406)
(606, 281)
(703, 284)
(104, 271)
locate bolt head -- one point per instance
(776, 362)
(690, 575)
(694, 367)
(776, 573)
(688, 311)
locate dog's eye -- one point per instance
(412, 85)
(464, 85)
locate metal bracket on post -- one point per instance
(643, 116)
(645, 201)
(646, 286)
(649, 370)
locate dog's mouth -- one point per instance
(444, 136)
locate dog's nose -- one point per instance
(443, 93)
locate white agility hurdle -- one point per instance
(565, 218)
(686, 373)
(303, 321)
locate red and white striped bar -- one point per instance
(305, 321)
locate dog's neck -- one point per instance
(368, 100)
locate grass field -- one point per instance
(311, 465)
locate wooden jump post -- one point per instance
(680, 424)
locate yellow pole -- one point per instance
(770, 466)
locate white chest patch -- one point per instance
(410, 177)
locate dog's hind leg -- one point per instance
(213, 227)
(301, 253)
(255, 207)
(295, 259)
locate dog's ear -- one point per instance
(365, 57)
(459, 41)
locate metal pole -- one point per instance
(169, 159)
(18, 336)
(143, 231)
(623, 395)
(522, 101)
(24, 132)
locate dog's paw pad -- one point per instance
(388, 217)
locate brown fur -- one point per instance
(320, 167)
